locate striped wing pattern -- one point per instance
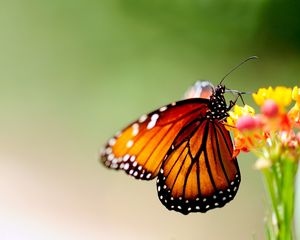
(199, 173)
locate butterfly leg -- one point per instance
(232, 103)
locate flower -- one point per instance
(280, 95)
(270, 109)
(236, 114)
(242, 123)
(247, 123)
(294, 113)
(270, 133)
(274, 137)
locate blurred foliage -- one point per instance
(256, 23)
(209, 23)
(280, 23)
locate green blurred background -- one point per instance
(72, 73)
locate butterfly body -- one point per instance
(186, 146)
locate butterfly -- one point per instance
(186, 147)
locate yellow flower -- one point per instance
(252, 132)
(296, 94)
(280, 95)
(294, 113)
(240, 111)
(237, 113)
(261, 95)
(241, 142)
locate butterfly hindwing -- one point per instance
(140, 148)
(199, 173)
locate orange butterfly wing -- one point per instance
(141, 147)
(199, 173)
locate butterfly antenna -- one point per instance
(240, 64)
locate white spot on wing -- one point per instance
(108, 150)
(143, 118)
(155, 116)
(112, 141)
(126, 166)
(126, 157)
(129, 143)
(163, 109)
(114, 165)
(110, 157)
(135, 129)
(114, 161)
(152, 123)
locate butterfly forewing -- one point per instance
(199, 173)
(141, 147)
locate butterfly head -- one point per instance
(220, 89)
(217, 104)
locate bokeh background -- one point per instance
(72, 73)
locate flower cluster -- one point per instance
(272, 133)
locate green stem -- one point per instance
(280, 184)
(271, 188)
(289, 169)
